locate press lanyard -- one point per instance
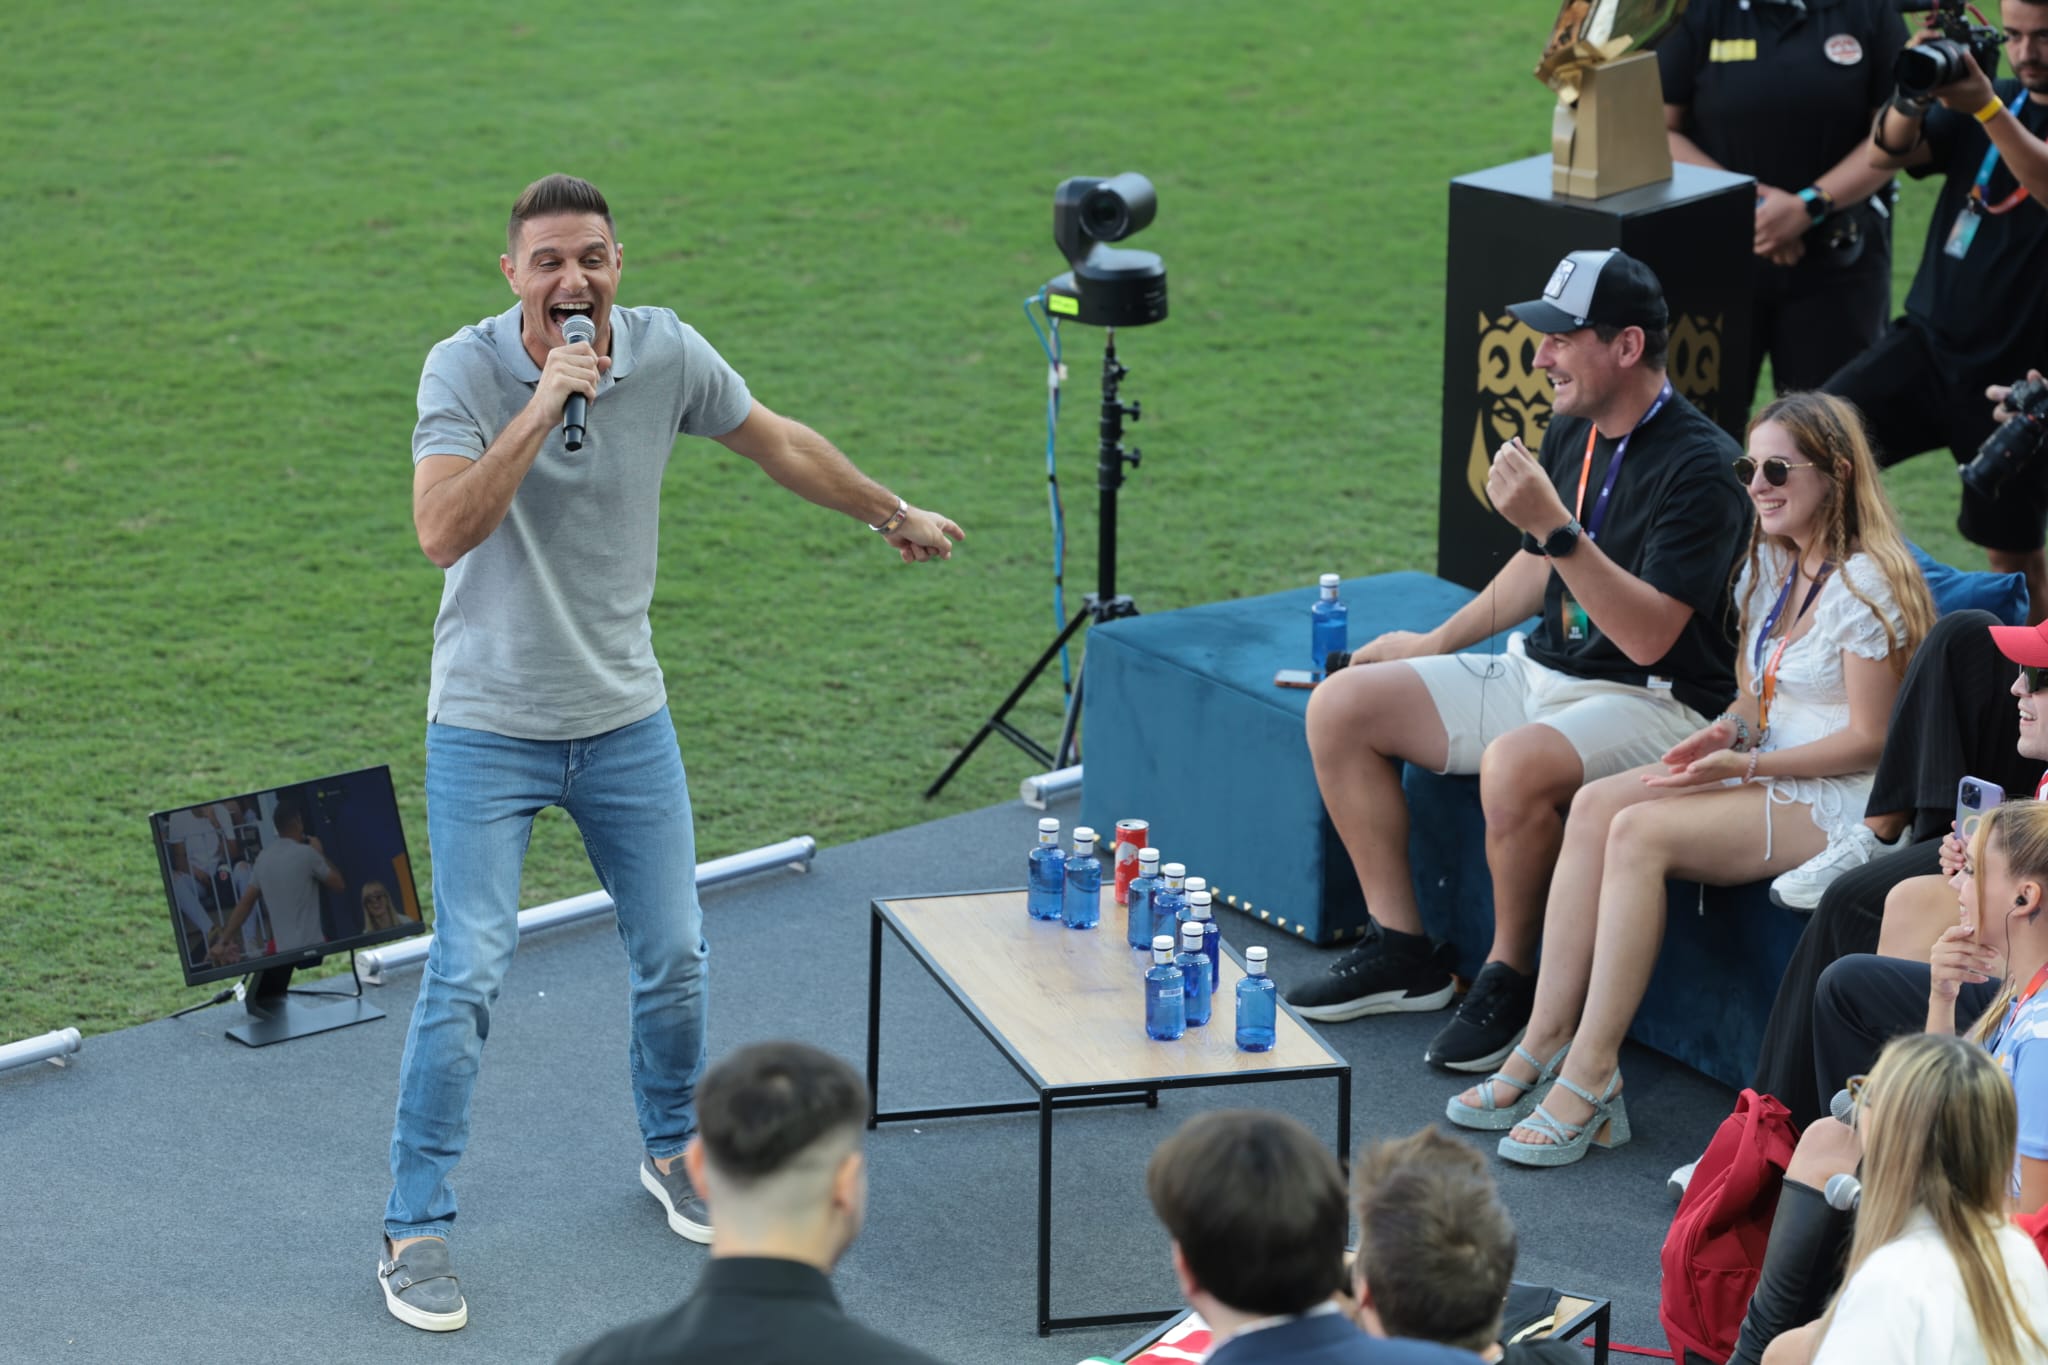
(1592, 524)
(1768, 686)
(2011, 201)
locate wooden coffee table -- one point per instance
(1065, 1007)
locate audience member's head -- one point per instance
(777, 1154)
(1939, 1126)
(1255, 1206)
(1436, 1248)
(1813, 453)
(288, 817)
(2027, 646)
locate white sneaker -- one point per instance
(1678, 1181)
(1800, 889)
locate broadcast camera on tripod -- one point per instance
(1108, 287)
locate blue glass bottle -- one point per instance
(1084, 882)
(1196, 978)
(1048, 884)
(1329, 626)
(1138, 900)
(1256, 994)
(1166, 1000)
(1168, 900)
(1201, 913)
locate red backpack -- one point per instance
(1715, 1248)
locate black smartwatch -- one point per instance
(1563, 540)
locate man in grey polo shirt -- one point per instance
(545, 691)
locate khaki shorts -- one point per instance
(1613, 726)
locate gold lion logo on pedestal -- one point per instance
(1514, 396)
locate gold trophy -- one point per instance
(1607, 134)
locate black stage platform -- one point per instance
(173, 1196)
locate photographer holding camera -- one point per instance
(1977, 314)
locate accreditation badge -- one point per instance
(1577, 627)
(1963, 233)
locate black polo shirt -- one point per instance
(1987, 314)
(1677, 519)
(1780, 92)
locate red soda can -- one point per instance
(1130, 837)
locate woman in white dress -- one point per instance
(1832, 607)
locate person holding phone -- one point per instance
(1831, 607)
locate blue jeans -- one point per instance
(627, 794)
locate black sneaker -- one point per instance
(1387, 973)
(687, 1216)
(1488, 1024)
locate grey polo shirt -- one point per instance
(543, 631)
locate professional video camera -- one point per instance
(2017, 443)
(1107, 287)
(1920, 70)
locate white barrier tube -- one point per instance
(794, 853)
(1043, 787)
(51, 1047)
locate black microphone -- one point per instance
(577, 327)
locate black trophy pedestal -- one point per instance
(1508, 231)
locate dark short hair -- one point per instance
(553, 194)
(1256, 1205)
(768, 1102)
(1435, 1244)
(1656, 342)
(289, 810)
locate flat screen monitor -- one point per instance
(266, 882)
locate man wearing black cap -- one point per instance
(1630, 524)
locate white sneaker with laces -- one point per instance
(1800, 889)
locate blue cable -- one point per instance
(1051, 347)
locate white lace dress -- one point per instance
(1811, 699)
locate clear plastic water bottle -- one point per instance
(1083, 907)
(1138, 900)
(1048, 884)
(1256, 994)
(1201, 913)
(1169, 900)
(1329, 626)
(1196, 978)
(1166, 999)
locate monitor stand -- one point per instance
(276, 1014)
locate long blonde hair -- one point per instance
(2020, 829)
(1941, 1133)
(1829, 433)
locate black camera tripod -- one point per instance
(1104, 604)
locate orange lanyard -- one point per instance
(1769, 687)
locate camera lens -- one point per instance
(1103, 215)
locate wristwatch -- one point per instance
(1819, 203)
(1563, 540)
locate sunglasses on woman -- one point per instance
(1776, 471)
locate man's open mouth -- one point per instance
(561, 312)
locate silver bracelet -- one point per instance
(895, 520)
(1741, 730)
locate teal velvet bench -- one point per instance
(1183, 727)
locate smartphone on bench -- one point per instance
(1294, 677)
(1974, 796)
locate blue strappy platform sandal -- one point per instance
(1488, 1116)
(1608, 1127)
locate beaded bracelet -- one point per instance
(1754, 755)
(1741, 730)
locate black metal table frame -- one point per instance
(1050, 1097)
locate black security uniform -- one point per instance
(1676, 519)
(1970, 322)
(1783, 92)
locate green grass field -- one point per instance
(238, 228)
